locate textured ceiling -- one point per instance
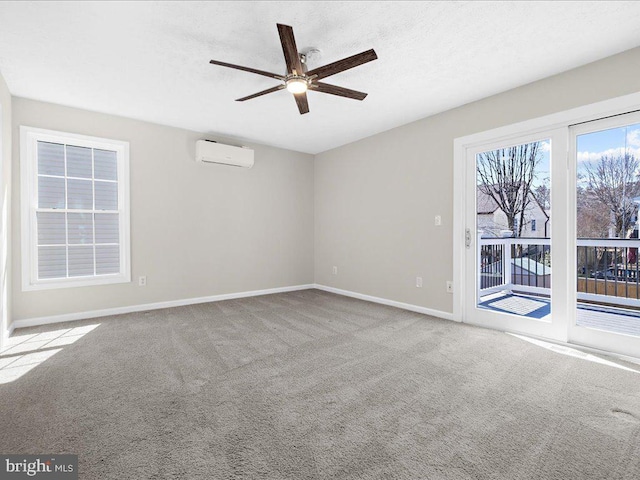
(149, 60)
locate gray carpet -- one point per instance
(310, 385)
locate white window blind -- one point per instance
(78, 210)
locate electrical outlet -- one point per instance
(438, 220)
(419, 282)
(335, 270)
(449, 286)
(142, 281)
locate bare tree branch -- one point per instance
(614, 182)
(506, 175)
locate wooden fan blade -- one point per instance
(301, 100)
(291, 55)
(344, 64)
(247, 69)
(259, 94)
(340, 91)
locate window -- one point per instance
(75, 210)
(533, 225)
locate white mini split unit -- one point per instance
(208, 151)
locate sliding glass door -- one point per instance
(551, 234)
(605, 158)
(509, 236)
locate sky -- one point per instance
(615, 141)
(590, 147)
(542, 175)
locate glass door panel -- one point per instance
(509, 225)
(513, 229)
(607, 197)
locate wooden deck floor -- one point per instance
(625, 322)
(617, 320)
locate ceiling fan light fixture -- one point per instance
(298, 78)
(297, 85)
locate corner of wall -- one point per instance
(315, 223)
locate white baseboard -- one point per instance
(67, 317)
(384, 301)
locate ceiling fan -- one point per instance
(298, 80)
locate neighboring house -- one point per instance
(524, 271)
(493, 221)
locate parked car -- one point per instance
(604, 274)
(619, 273)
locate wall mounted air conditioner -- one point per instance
(208, 151)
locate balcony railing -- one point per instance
(608, 270)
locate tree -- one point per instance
(593, 216)
(506, 176)
(613, 180)
(593, 222)
(543, 195)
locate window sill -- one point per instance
(75, 282)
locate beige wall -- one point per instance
(5, 206)
(376, 199)
(201, 230)
(196, 230)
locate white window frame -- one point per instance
(29, 138)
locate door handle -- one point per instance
(467, 238)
